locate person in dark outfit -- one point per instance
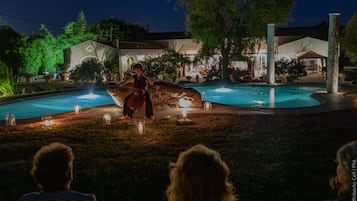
(142, 83)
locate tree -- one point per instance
(224, 25)
(349, 39)
(48, 50)
(8, 49)
(6, 83)
(73, 33)
(112, 28)
(39, 53)
(29, 50)
(289, 70)
(80, 26)
(87, 72)
(166, 65)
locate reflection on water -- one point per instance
(55, 104)
(260, 96)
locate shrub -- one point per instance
(88, 71)
(7, 87)
(289, 70)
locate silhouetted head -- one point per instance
(346, 158)
(199, 174)
(52, 167)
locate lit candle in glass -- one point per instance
(184, 113)
(141, 125)
(107, 118)
(47, 122)
(207, 106)
(77, 109)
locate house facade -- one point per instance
(308, 45)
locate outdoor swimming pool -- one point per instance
(55, 104)
(260, 96)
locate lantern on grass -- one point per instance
(107, 118)
(140, 127)
(10, 120)
(185, 102)
(77, 109)
(207, 107)
(185, 105)
(47, 122)
(184, 113)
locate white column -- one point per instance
(332, 59)
(270, 59)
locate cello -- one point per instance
(137, 100)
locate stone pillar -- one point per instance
(270, 52)
(333, 55)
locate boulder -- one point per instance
(162, 95)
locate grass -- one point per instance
(271, 158)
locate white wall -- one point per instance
(292, 49)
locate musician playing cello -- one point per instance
(140, 95)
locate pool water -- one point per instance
(55, 104)
(260, 96)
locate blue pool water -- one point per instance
(260, 96)
(55, 104)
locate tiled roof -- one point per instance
(138, 45)
(163, 36)
(319, 32)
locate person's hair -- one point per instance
(51, 166)
(137, 66)
(345, 155)
(199, 174)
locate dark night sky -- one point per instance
(25, 16)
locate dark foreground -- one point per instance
(272, 158)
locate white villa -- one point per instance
(304, 44)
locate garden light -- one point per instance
(107, 118)
(140, 127)
(207, 107)
(77, 108)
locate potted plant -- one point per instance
(64, 71)
(28, 77)
(48, 77)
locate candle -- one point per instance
(76, 109)
(107, 118)
(184, 113)
(140, 127)
(207, 106)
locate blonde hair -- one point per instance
(199, 175)
(345, 155)
(51, 166)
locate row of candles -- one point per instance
(48, 122)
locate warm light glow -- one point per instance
(10, 120)
(272, 97)
(184, 113)
(223, 89)
(258, 103)
(107, 118)
(77, 108)
(207, 106)
(88, 96)
(185, 102)
(141, 125)
(47, 122)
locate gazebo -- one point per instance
(312, 55)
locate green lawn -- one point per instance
(272, 158)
